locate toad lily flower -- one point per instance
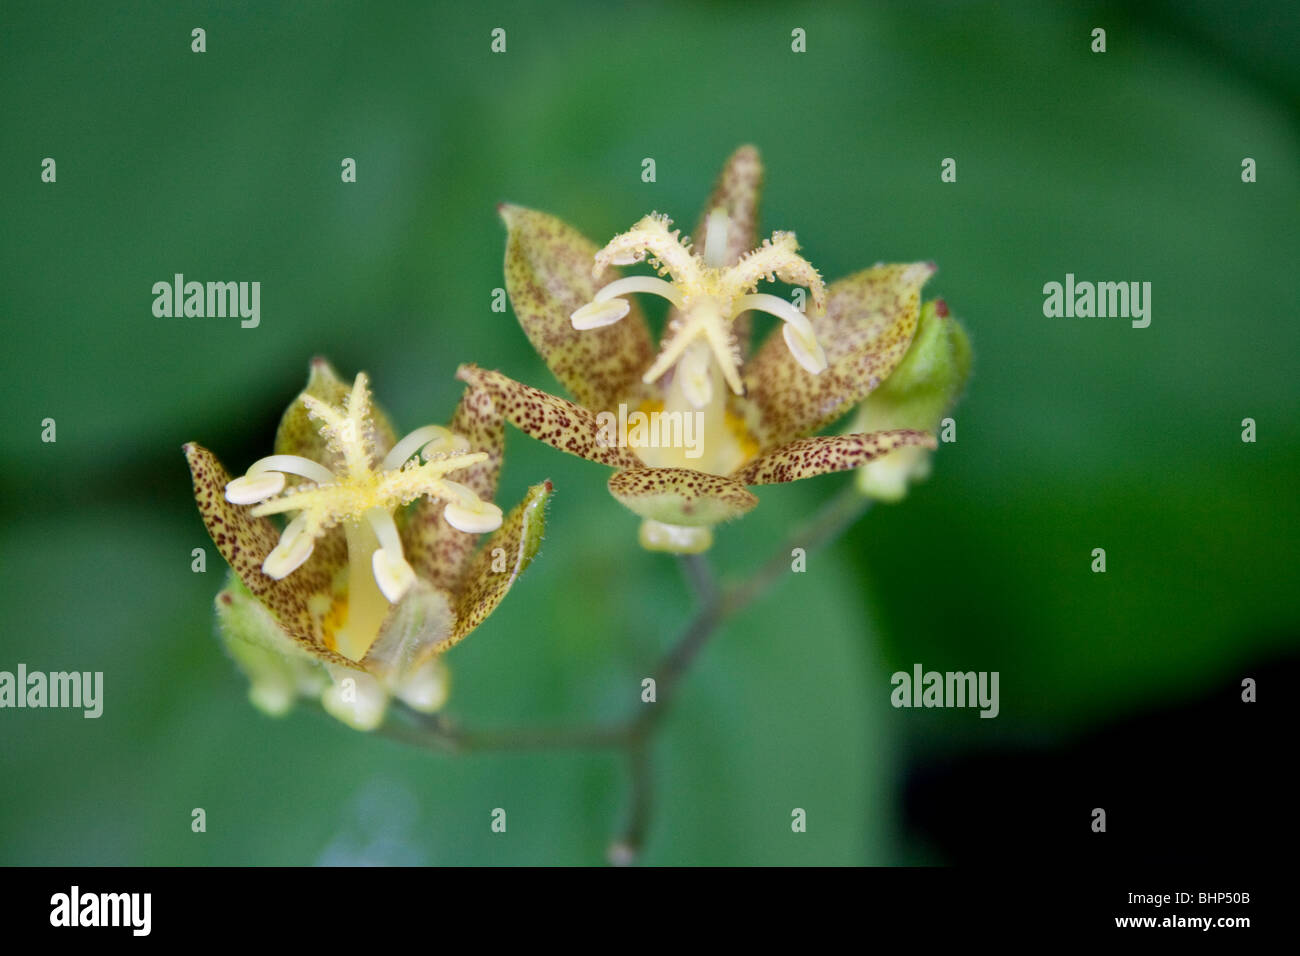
(375, 573)
(699, 418)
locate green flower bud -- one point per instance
(924, 386)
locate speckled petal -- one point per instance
(499, 563)
(559, 423)
(298, 434)
(869, 322)
(245, 542)
(436, 550)
(548, 277)
(681, 496)
(737, 191)
(820, 454)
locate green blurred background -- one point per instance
(1075, 434)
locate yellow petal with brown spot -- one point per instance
(869, 322)
(499, 563)
(245, 542)
(806, 457)
(548, 418)
(680, 496)
(548, 277)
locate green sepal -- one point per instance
(920, 391)
(277, 670)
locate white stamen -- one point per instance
(468, 513)
(265, 477)
(774, 305)
(807, 352)
(650, 284)
(595, 315)
(473, 521)
(392, 573)
(798, 331)
(250, 489)
(385, 529)
(293, 465)
(413, 442)
(291, 553)
(715, 239)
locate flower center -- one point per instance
(362, 497)
(708, 296)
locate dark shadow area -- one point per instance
(1204, 782)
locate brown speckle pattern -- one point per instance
(482, 588)
(245, 542)
(738, 189)
(548, 277)
(869, 322)
(559, 423)
(681, 496)
(437, 551)
(818, 455)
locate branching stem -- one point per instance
(635, 736)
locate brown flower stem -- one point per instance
(635, 736)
